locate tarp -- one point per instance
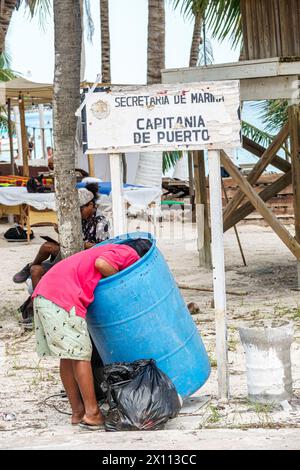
(138, 198)
(32, 92)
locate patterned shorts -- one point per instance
(60, 333)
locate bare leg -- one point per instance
(36, 273)
(46, 249)
(72, 390)
(84, 378)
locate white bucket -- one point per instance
(268, 361)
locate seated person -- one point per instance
(95, 228)
(61, 300)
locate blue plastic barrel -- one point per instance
(139, 313)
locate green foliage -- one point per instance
(170, 159)
(3, 120)
(273, 113)
(190, 7)
(257, 135)
(41, 7)
(206, 53)
(5, 72)
(214, 414)
(223, 17)
(261, 137)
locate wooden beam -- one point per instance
(216, 215)
(10, 135)
(243, 70)
(124, 167)
(42, 130)
(269, 192)
(235, 229)
(191, 185)
(258, 169)
(294, 123)
(91, 164)
(118, 207)
(258, 151)
(202, 210)
(260, 206)
(24, 137)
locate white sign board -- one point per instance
(189, 116)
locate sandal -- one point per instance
(91, 427)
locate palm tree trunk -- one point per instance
(156, 40)
(197, 40)
(150, 163)
(105, 41)
(66, 100)
(6, 10)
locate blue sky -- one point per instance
(32, 50)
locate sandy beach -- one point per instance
(264, 291)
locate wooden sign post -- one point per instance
(185, 117)
(118, 207)
(216, 215)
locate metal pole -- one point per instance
(34, 143)
(24, 136)
(42, 126)
(11, 142)
(18, 132)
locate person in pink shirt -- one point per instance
(61, 299)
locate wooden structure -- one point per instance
(270, 28)
(272, 47)
(21, 92)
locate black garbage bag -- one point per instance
(140, 396)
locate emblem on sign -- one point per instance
(100, 109)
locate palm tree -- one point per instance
(223, 17)
(225, 21)
(105, 41)
(194, 9)
(6, 74)
(155, 63)
(156, 40)
(6, 10)
(65, 103)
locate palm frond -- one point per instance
(6, 73)
(188, 8)
(5, 60)
(206, 53)
(223, 17)
(262, 138)
(273, 114)
(170, 159)
(41, 7)
(89, 20)
(225, 21)
(257, 135)
(3, 120)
